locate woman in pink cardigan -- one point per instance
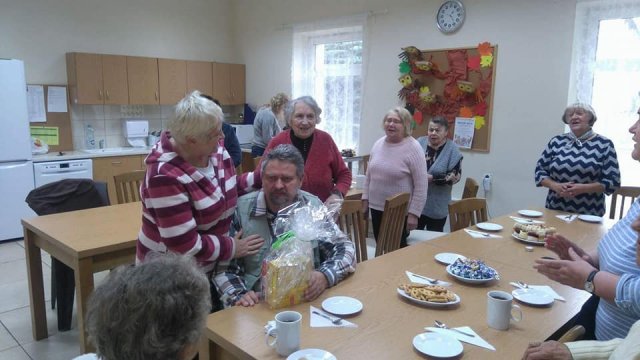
(325, 173)
(396, 164)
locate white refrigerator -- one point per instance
(16, 167)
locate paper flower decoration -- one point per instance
(465, 112)
(486, 60)
(417, 117)
(423, 65)
(466, 86)
(479, 122)
(480, 109)
(426, 95)
(405, 80)
(484, 49)
(473, 62)
(404, 67)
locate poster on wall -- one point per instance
(463, 132)
(454, 83)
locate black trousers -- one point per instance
(431, 223)
(376, 219)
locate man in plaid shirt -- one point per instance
(238, 280)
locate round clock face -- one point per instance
(450, 16)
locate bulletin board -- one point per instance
(452, 83)
(60, 121)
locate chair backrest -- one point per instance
(573, 334)
(624, 192)
(351, 222)
(467, 212)
(247, 162)
(256, 161)
(362, 166)
(470, 188)
(392, 223)
(128, 186)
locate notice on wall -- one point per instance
(463, 132)
(49, 134)
(57, 99)
(35, 103)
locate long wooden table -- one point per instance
(88, 241)
(388, 323)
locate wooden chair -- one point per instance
(624, 192)
(392, 223)
(363, 164)
(256, 161)
(128, 186)
(467, 212)
(351, 222)
(574, 334)
(247, 162)
(470, 188)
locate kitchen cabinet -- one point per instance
(172, 78)
(229, 83)
(97, 78)
(105, 168)
(200, 77)
(142, 78)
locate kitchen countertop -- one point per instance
(79, 154)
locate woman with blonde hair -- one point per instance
(396, 164)
(268, 123)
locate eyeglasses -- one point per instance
(392, 121)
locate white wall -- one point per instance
(534, 41)
(40, 32)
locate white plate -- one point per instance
(448, 258)
(467, 280)
(489, 226)
(532, 296)
(437, 345)
(530, 213)
(428, 303)
(342, 305)
(590, 218)
(311, 354)
(528, 240)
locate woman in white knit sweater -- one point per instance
(396, 165)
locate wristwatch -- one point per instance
(589, 285)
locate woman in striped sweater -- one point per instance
(190, 190)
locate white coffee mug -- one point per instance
(286, 332)
(500, 310)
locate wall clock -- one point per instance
(450, 16)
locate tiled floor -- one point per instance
(16, 340)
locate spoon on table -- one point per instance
(335, 321)
(441, 325)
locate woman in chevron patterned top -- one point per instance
(578, 167)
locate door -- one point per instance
(88, 75)
(200, 77)
(14, 123)
(114, 74)
(16, 181)
(237, 83)
(142, 77)
(172, 76)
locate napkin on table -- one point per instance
(476, 340)
(318, 321)
(481, 234)
(421, 280)
(546, 288)
(526, 221)
(567, 217)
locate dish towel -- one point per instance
(545, 288)
(567, 217)
(526, 221)
(475, 340)
(415, 278)
(319, 321)
(480, 234)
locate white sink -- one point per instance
(111, 150)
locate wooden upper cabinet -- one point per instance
(200, 77)
(114, 77)
(142, 76)
(172, 75)
(97, 79)
(229, 83)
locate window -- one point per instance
(328, 65)
(606, 73)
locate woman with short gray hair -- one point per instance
(190, 189)
(156, 310)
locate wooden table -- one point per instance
(88, 241)
(388, 323)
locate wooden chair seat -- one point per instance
(128, 186)
(467, 212)
(351, 222)
(392, 223)
(624, 193)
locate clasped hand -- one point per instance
(573, 267)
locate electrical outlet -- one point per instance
(486, 182)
